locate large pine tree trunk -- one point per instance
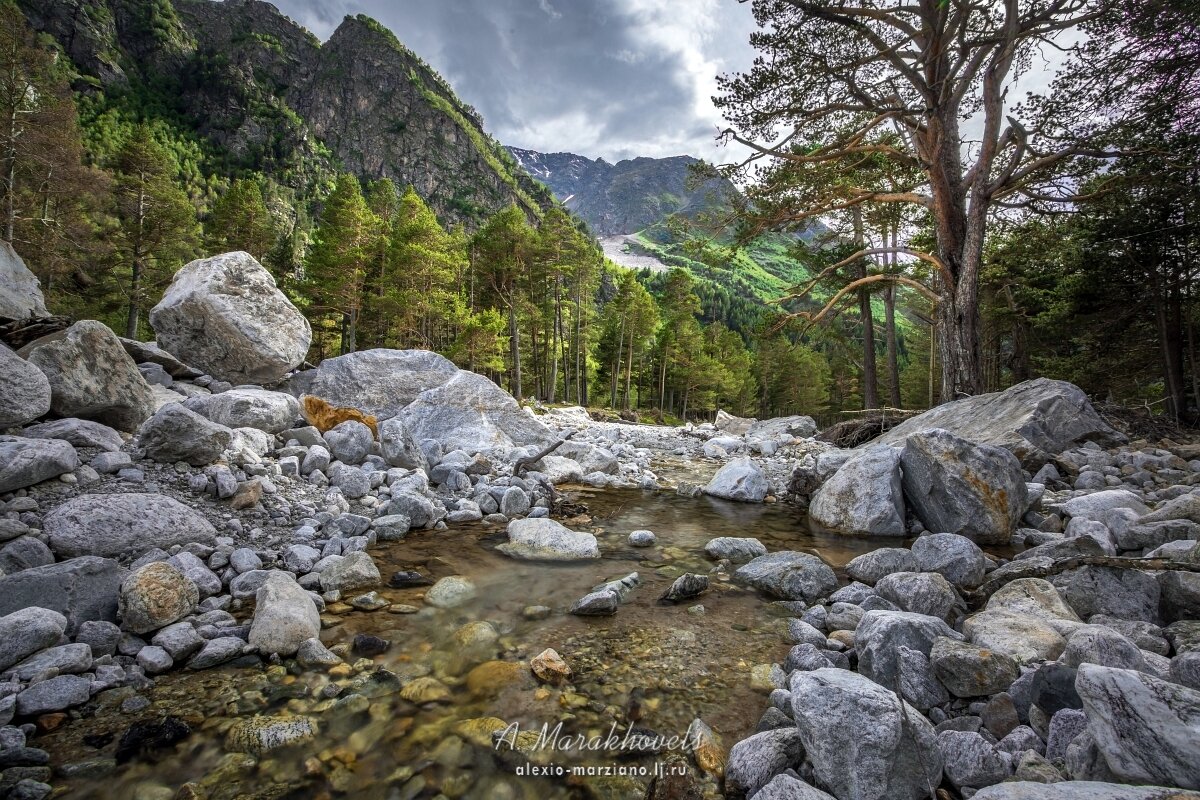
(514, 350)
(893, 361)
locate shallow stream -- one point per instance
(656, 666)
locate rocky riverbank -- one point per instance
(1035, 623)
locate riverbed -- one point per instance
(418, 719)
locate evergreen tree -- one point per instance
(156, 222)
(502, 250)
(337, 265)
(240, 221)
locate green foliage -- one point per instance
(240, 220)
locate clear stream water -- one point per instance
(657, 665)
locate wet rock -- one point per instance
(425, 690)
(258, 735)
(955, 557)
(1144, 728)
(367, 645)
(642, 538)
(954, 485)
(738, 550)
(547, 540)
(1034, 420)
(217, 651)
(597, 604)
(147, 737)
(920, 592)
(154, 596)
(408, 578)
(451, 592)
(862, 741)
(970, 761)
(24, 390)
(968, 670)
(55, 694)
(312, 653)
(864, 496)
(225, 316)
(755, 760)
(284, 616)
(741, 479)
(80, 589)
(354, 571)
(272, 412)
(176, 433)
(686, 587)
(26, 631)
(91, 376)
(549, 667)
(789, 575)
(117, 524)
(873, 566)
(25, 462)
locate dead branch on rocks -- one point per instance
(16, 333)
(1139, 422)
(990, 587)
(868, 425)
(525, 462)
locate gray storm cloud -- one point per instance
(607, 78)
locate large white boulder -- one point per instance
(285, 616)
(24, 390)
(379, 381)
(864, 496)
(20, 292)
(469, 412)
(741, 480)
(225, 315)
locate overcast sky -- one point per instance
(602, 78)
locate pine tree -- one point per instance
(338, 262)
(157, 229)
(502, 250)
(240, 220)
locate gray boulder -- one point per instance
(737, 550)
(1179, 595)
(970, 761)
(24, 389)
(28, 631)
(25, 462)
(154, 596)
(786, 787)
(20, 291)
(968, 670)
(24, 552)
(349, 441)
(151, 353)
(1034, 420)
(547, 540)
(469, 412)
(789, 575)
(81, 589)
(957, 486)
(755, 760)
(284, 616)
(956, 557)
(920, 592)
(1144, 728)
(79, 432)
(741, 480)
(1076, 790)
(55, 694)
(117, 524)
(273, 412)
(355, 571)
(66, 659)
(224, 315)
(864, 497)
(217, 651)
(176, 433)
(881, 635)
(1025, 638)
(398, 447)
(873, 566)
(379, 381)
(862, 740)
(1123, 593)
(91, 376)
(1097, 644)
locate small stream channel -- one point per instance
(658, 666)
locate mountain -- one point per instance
(650, 213)
(260, 93)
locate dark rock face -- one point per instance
(80, 589)
(146, 737)
(267, 89)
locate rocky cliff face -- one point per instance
(264, 91)
(628, 196)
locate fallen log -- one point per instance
(525, 462)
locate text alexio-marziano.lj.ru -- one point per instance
(631, 741)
